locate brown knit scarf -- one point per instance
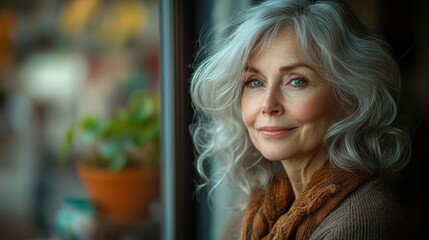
(272, 214)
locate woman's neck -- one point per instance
(300, 170)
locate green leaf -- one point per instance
(110, 149)
(117, 163)
(66, 145)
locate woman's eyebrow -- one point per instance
(249, 68)
(295, 66)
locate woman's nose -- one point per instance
(272, 103)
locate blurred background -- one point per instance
(61, 60)
(64, 59)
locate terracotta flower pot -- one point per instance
(122, 196)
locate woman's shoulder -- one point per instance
(375, 195)
(370, 212)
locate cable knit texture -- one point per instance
(336, 205)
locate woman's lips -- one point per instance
(275, 131)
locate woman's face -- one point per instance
(287, 106)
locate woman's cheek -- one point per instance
(317, 107)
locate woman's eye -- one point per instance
(298, 82)
(254, 83)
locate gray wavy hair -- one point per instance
(356, 63)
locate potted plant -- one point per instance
(119, 166)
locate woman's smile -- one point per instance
(275, 131)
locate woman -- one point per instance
(297, 107)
